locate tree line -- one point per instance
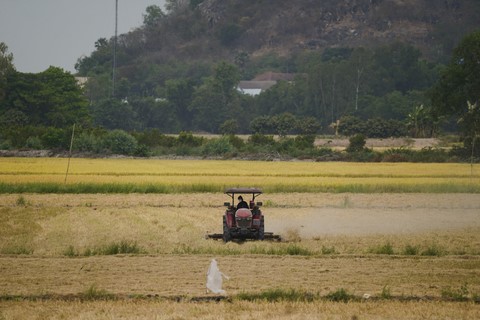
(387, 82)
(385, 91)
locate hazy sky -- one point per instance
(41, 33)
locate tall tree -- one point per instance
(100, 61)
(114, 114)
(226, 77)
(460, 80)
(6, 67)
(217, 99)
(152, 16)
(173, 6)
(397, 66)
(470, 124)
(50, 98)
(360, 61)
(207, 108)
(6, 60)
(179, 94)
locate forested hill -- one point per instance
(287, 26)
(367, 58)
(209, 30)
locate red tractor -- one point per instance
(244, 220)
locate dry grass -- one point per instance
(237, 310)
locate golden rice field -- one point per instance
(413, 254)
(213, 176)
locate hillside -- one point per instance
(286, 26)
(212, 29)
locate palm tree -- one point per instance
(471, 125)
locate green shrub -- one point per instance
(381, 128)
(70, 252)
(114, 248)
(308, 126)
(18, 249)
(385, 249)
(154, 138)
(92, 293)
(34, 143)
(188, 139)
(56, 138)
(17, 135)
(120, 142)
(372, 128)
(397, 155)
(237, 142)
(366, 155)
(284, 123)
(426, 155)
(295, 250)
(386, 293)
(142, 151)
(430, 154)
(187, 151)
(229, 127)
(277, 295)
(290, 249)
(304, 141)
(123, 247)
(356, 143)
(350, 125)
(328, 250)
(5, 144)
(470, 143)
(261, 139)
(218, 147)
(456, 294)
(285, 146)
(410, 250)
(341, 295)
(433, 250)
(87, 142)
(262, 125)
(21, 201)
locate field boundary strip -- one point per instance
(307, 297)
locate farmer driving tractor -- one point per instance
(241, 203)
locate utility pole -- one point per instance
(115, 49)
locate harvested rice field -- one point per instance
(344, 255)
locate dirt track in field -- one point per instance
(361, 214)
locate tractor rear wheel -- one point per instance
(226, 232)
(261, 230)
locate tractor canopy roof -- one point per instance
(232, 191)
